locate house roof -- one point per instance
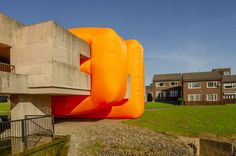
(229, 78)
(201, 76)
(167, 77)
(221, 69)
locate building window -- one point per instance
(160, 84)
(229, 85)
(173, 83)
(226, 73)
(194, 97)
(193, 85)
(211, 84)
(173, 93)
(162, 94)
(229, 96)
(211, 97)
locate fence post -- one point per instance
(53, 129)
(24, 132)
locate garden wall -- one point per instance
(58, 147)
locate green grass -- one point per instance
(189, 121)
(157, 105)
(5, 108)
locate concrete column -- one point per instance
(22, 105)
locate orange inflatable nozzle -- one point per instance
(86, 67)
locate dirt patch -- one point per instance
(111, 137)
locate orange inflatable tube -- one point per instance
(112, 61)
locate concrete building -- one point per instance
(37, 62)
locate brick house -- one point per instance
(149, 92)
(229, 88)
(212, 87)
(202, 87)
(167, 87)
(222, 71)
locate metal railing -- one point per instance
(28, 131)
(7, 67)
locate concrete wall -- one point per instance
(13, 83)
(50, 56)
(32, 53)
(67, 49)
(7, 24)
(22, 105)
(57, 147)
(215, 148)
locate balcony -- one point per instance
(7, 68)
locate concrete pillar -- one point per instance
(26, 104)
(22, 105)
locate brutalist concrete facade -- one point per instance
(46, 58)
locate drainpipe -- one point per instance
(182, 89)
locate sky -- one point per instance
(177, 35)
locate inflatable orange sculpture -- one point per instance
(113, 62)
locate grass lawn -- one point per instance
(189, 120)
(157, 105)
(4, 108)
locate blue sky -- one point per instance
(177, 35)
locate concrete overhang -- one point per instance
(13, 83)
(54, 90)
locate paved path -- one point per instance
(111, 137)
